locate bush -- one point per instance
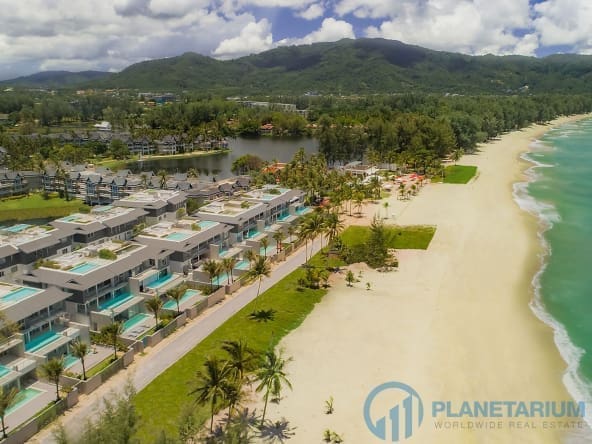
(107, 254)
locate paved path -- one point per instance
(170, 350)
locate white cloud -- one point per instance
(312, 12)
(565, 22)
(254, 37)
(468, 26)
(331, 30)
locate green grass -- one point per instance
(416, 237)
(162, 401)
(35, 207)
(100, 366)
(457, 174)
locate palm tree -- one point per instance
(176, 294)
(52, 370)
(79, 349)
(163, 176)
(333, 226)
(292, 232)
(250, 255)
(154, 305)
(272, 376)
(7, 398)
(213, 268)
(243, 358)
(278, 237)
(261, 269)
(110, 333)
(211, 385)
(304, 234)
(228, 264)
(265, 245)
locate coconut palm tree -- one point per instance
(250, 255)
(228, 264)
(52, 370)
(272, 376)
(304, 234)
(176, 294)
(242, 358)
(7, 398)
(278, 237)
(154, 305)
(79, 349)
(265, 245)
(213, 268)
(212, 384)
(261, 269)
(110, 333)
(333, 226)
(163, 176)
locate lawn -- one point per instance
(161, 402)
(36, 207)
(416, 237)
(457, 174)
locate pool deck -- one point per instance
(98, 354)
(30, 409)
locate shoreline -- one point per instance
(113, 163)
(471, 290)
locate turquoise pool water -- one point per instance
(17, 228)
(302, 210)
(17, 295)
(242, 265)
(135, 320)
(204, 224)
(160, 281)
(84, 268)
(23, 397)
(41, 341)
(172, 305)
(69, 218)
(4, 371)
(221, 280)
(116, 301)
(251, 233)
(284, 216)
(70, 360)
(177, 236)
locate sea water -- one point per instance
(559, 192)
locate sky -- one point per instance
(109, 35)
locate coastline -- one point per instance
(455, 322)
(112, 163)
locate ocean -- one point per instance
(559, 192)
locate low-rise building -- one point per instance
(159, 204)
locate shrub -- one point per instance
(107, 254)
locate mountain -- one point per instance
(55, 79)
(362, 66)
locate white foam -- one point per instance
(576, 385)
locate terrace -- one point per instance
(155, 281)
(51, 340)
(179, 231)
(233, 208)
(24, 233)
(98, 214)
(91, 258)
(11, 294)
(150, 196)
(189, 298)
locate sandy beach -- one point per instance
(453, 322)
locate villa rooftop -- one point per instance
(21, 301)
(11, 294)
(21, 234)
(271, 194)
(152, 199)
(100, 214)
(233, 207)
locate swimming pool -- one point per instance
(23, 397)
(177, 236)
(83, 268)
(242, 265)
(19, 294)
(135, 320)
(160, 281)
(70, 360)
(116, 301)
(17, 228)
(172, 305)
(4, 371)
(302, 210)
(41, 341)
(204, 224)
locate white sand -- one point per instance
(454, 322)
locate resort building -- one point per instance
(21, 245)
(189, 240)
(103, 223)
(159, 205)
(94, 276)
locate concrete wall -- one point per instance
(26, 431)
(216, 296)
(232, 287)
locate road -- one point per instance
(170, 350)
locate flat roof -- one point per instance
(11, 294)
(232, 207)
(152, 196)
(20, 234)
(97, 214)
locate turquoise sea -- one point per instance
(560, 194)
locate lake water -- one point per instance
(218, 165)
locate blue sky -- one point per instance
(38, 35)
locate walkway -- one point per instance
(159, 358)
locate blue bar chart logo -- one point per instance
(405, 414)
